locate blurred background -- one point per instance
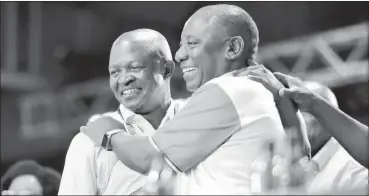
(54, 59)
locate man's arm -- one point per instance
(350, 133)
(79, 176)
(293, 121)
(206, 122)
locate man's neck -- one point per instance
(235, 66)
(155, 117)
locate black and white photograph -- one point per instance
(184, 97)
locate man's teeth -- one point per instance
(130, 91)
(189, 69)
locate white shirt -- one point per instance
(218, 134)
(339, 172)
(91, 170)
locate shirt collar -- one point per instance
(326, 153)
(173, 108)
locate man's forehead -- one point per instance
(200, 17)
(126, 53)
(129, 45)
(196, 28)
(201, 24)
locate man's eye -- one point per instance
(137, 68)
(191, 43)
(113, 72)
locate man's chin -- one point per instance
(132, 104)
(192, 86)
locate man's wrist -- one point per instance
(315, 105)
(114, 139)
(106, 143)
(283, 100)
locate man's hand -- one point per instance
(297, 91)
(95, 130)
(261, 74)
(289, 118)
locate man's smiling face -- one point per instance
(201, 53)
(135, 77)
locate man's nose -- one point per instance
(181, 54)
(126, 80)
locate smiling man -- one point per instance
(223, 127)
(140, 67)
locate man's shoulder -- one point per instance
(236, 87)
(113, 114)
(237, 83)
(239, 90)
(81, 143)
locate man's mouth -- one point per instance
(189, 69)
(130, 92)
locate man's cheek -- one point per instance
(113, 88)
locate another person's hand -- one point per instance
(95, 130)
(297, 91)
(259, 73)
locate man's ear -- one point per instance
(235, 48)
(169, 67)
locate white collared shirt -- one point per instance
(91, 170)
(338, 171)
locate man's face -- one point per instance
(201, 54)
(135, 78)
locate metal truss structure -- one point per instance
(334, 58)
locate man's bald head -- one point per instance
(231, 20)
(323, 91)
(147, 41)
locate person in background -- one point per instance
(27, 177)
(341, 162)
(337, 170)
(350, 133)
(318, 137)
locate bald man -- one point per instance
(214, 139)
(337, 170)
(350, 133)
(341, 162)
(140, 67)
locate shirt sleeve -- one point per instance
(79, 177)
(204, 123)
